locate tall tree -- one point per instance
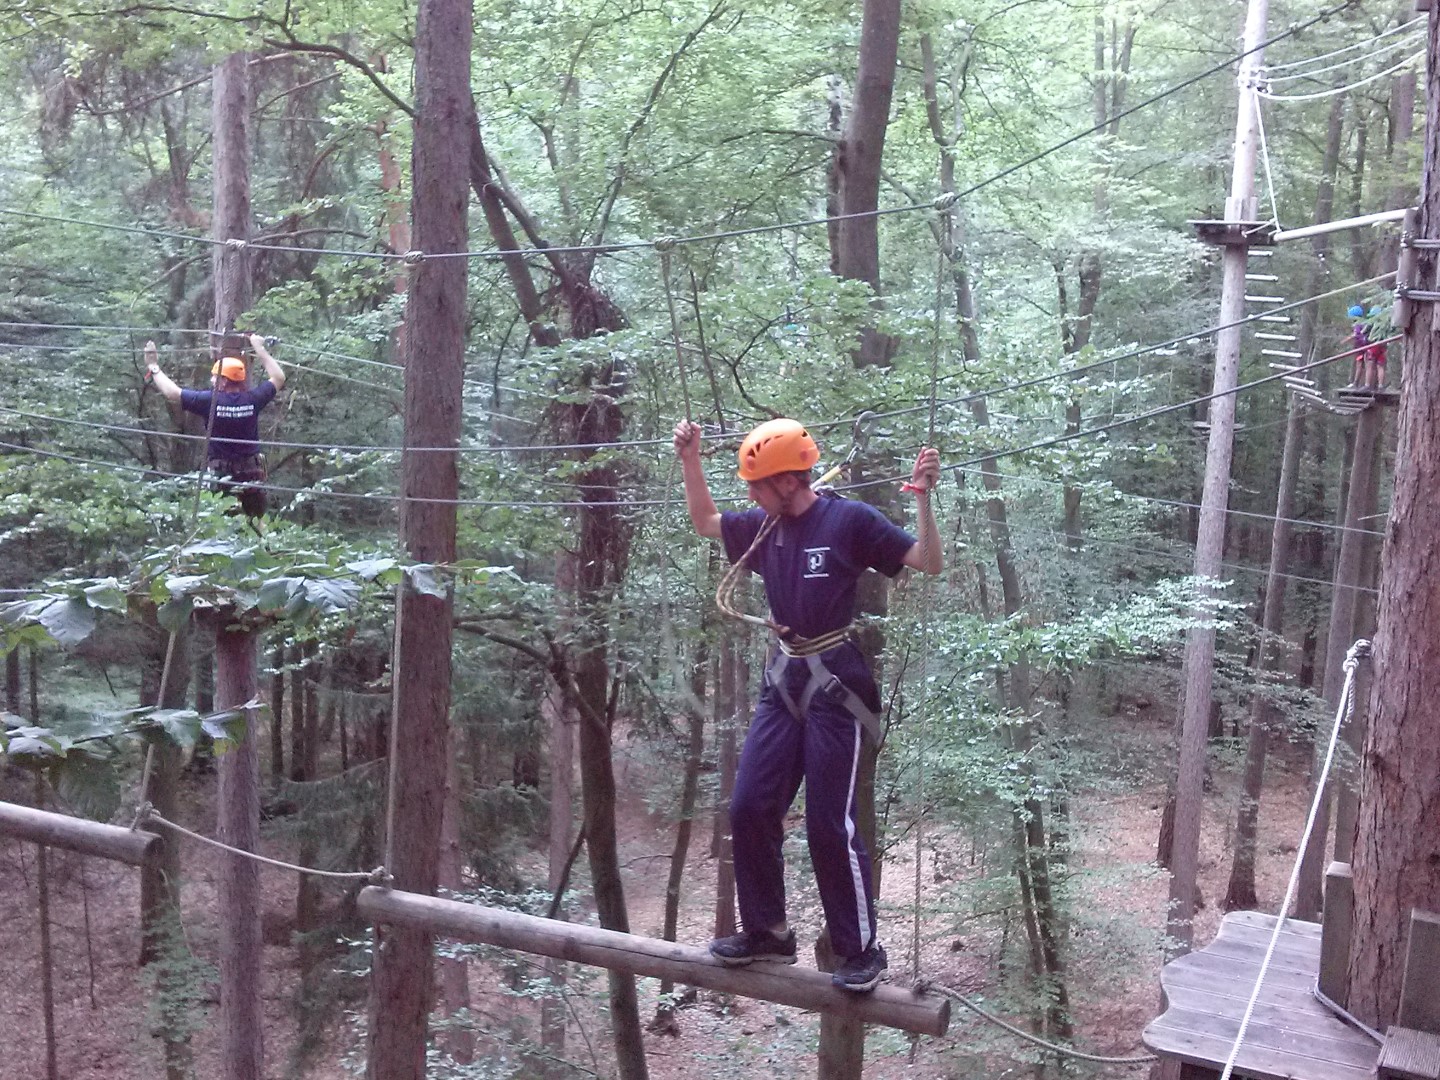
(1397, 848)
(401, 989)
(236, 675)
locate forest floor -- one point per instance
(101, 1011)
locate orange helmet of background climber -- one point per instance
(777, 446)
(231, 367)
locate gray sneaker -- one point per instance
(861, 973)
(737, 950)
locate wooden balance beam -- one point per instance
(805, 988)
(77, 834)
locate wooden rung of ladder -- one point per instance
(1281, 352)
(1260, 253)
(1272, 318)
(1263, 336)
(1257, 299)
(1262, 277)
(805, 988)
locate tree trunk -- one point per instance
(859, 161)
(1349, 564)
(1240, 892)
(603, 554)
(1209, 548)
(685, 826)
(454, 970)
(401, 980)
(241, 1014)
(277, 711)
(1397, 848)
(242, 1018)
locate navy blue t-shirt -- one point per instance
(811, 563)
(236, 433)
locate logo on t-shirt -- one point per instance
(815, 562)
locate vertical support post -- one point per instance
(1214, 500)
(1405, 274)
(1335, 933)
(1420, 992)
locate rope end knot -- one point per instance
(413, 258)
(666, 244)
(944, 201)
(381, 877)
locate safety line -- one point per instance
(149, 815)
(1343, 714)
(1152, 414)
(991, 455)
(1265, 160)
(1080, 369)
(1025, 384)
(1394, 46)
(1343, 89)
(1064, 1051)
(1181, 557)
(940, 203)
(1178, 504)
(1348, 48)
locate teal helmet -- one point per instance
(1356, 311)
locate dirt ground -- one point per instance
(100, 999)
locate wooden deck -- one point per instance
(1291, 1035)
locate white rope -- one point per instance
(1343, 89)
(1064, 1051)
(1394, 46)
(1343, 712)
(1348, 48)
(1265, 157)
(378, 876)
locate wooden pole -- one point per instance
(1214, 501)
(76, 834)
(242, 1015)
(401, 983)
(805, 988)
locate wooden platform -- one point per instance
(1291, 1035)
(1221, 232)
(1361, 396)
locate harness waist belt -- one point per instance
(822, 680)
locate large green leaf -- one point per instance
(332, 595)
(89, 784)
(175, 613)
(425, 581)
(69, 621)
(106, 595)
(181, 726)
(370, 569)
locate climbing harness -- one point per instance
(791, 646)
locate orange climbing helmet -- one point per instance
(231, 367)
(777, 446)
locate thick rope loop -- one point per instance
(666, 244)
(236, 244)
(944, 201)
(413, 258)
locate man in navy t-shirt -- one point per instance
(231, 412)
(819, 698)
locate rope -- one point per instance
(1025, 384)
(413, 257)
(378, 876)
(1265, 158)
(1345, 1015)
(927, 590)
(1348, 48)
(1343, 712)
(1057, 1048)
(675, 329)
(1150, 415)
(1347, 87)
(1311, 73)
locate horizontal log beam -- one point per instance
(805, 988)
(77, 834)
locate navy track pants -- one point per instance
(779, 753)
